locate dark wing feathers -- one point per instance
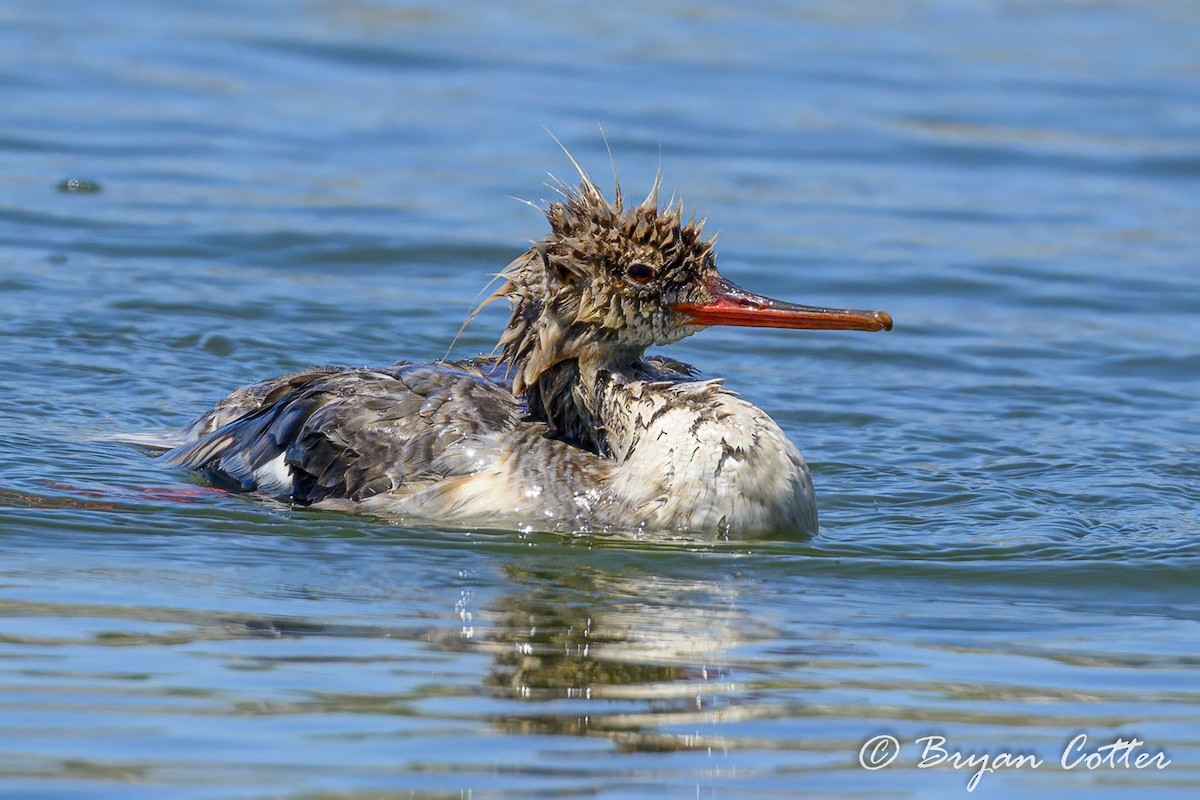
(348, 433)
(252, 398)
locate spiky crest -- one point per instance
(569, 298)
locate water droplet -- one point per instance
(78, 186)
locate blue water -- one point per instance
(1008, 481)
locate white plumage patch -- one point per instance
(275, 477)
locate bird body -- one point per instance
(450, 441)
(571, 425)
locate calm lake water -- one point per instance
(1009, 481)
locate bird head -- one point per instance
(611, 280)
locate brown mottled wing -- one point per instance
(255, 397)
(662, 368)
(349, 433)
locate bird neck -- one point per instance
(578, 402)
(559, 367)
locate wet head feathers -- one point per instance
(601, 283)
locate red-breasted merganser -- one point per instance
(571, 425)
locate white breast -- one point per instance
(706, 459)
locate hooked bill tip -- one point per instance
(884, 319)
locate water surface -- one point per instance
(1008, 481)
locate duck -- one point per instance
(568, 424)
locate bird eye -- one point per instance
(642, 273)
